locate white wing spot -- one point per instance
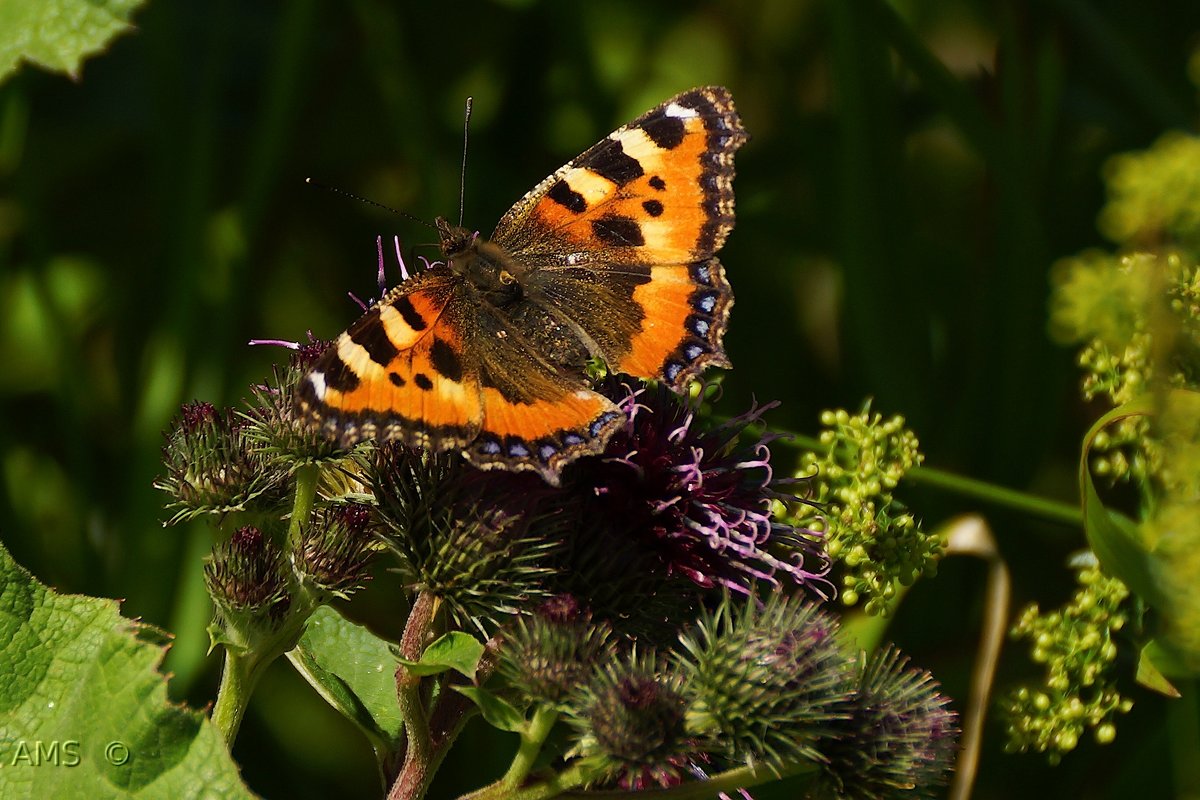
(317, 379)
(676, 110)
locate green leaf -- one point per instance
(79, 688)
(1152, 663)
(58, 34)
(1114, 537)
(354, 670)
(496, 712)
(456, 650)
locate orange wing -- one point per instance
(429, 367)
(622, 239)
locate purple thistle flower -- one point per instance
(699, 494)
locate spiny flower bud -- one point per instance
(550, 654)
(898, 740)
(212, 467)
(480, 540)
(336, 549)
(274, 424)
(247, 578)
(765, 683)
(631, 720)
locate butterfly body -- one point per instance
(612, 257)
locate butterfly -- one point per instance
(611, 257)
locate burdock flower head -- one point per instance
(700, 494)
(212, 467)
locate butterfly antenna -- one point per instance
(462, 180)
(362, 199)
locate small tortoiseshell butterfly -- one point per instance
(611, 257)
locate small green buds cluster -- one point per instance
(868, 532)
(1154, 196)
(1139, 318)
(1075, 645)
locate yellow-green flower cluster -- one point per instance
(868, 532)
(1139, 319)
(1171, 532)
(1154, 196)
(1075, 645)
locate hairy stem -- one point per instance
(238, 678)
(420, 757)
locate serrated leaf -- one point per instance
(1114, 537)
(354, 670)
(455, 650)
(58, 34)
(83, 710)
(496, 712)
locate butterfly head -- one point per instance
(455, 239)
(485, 265)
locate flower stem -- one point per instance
(575, 775)
(306, 493)
(238, 677)
(420, 757)
(532, 739)
(1033, 505)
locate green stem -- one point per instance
(306, 494)
(562, 784)
(1033, 505)
(532, 739)
(1052, 510)
(238, 678)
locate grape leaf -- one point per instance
(84, 711)
(58, 34)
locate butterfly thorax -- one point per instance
(485, 266)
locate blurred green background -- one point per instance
(915, 170)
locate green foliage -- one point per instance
(59, 34)
(1077, 648)
(914, 168)
(876, 541)
(354, 670)
(83, 711)
(1138, 318)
